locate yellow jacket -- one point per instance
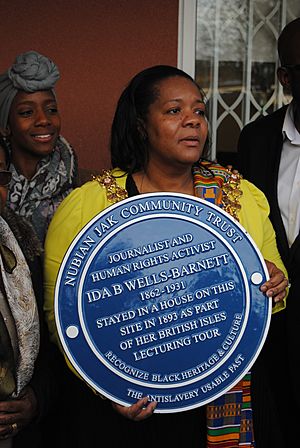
(85, 202)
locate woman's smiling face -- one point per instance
(34, 123)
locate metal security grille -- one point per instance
(236, 63)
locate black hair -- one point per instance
(4, 145)
(288, 37)
(128, 145)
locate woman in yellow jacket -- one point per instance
(158, 144)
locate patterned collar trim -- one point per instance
(114, 192)
(226, 179)
(232, 193)
(218, 185)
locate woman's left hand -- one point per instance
(140, 410)
(276, 287)
(17, 413)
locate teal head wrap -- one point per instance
(30, 72)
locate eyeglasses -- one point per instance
(5, 178)
(292, 67)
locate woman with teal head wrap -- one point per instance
(43, 164)
(43, 168)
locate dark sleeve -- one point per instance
(44, 381)
(268, 427)
(244, 157)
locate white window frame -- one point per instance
(186, 54)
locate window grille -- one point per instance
(233, 57)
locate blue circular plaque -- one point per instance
(158, 295)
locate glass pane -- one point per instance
(236, 63)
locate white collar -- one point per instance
(289, 130)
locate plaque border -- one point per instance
(78, 237)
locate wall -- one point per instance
(98, 46)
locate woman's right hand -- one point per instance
(140, 410)
(17, 413)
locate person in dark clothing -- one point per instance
(269, 156)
